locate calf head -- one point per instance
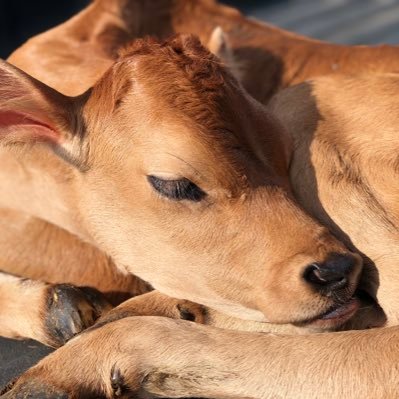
(181, 177)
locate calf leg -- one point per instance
(153, 357)
(155, 303)
(38, 250)
(48, 313)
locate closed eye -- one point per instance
(177, 190)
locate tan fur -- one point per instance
(159, 356)
(344, 169)
(30, 247)
(87, 44)
(136, 122)
(47, 313)
(342, 161)
(311, 126)
(18, 297)
(155, 303)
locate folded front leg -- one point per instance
(155, 303)
(48, 313)
(153, 356)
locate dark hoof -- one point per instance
(191, 312)
(34, 390)
(70, 310)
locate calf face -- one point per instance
(181, 177)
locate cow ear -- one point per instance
(31, 112)
(219, 45)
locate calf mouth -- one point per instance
(340, 313)
(336, 315)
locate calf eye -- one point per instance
(177, 190)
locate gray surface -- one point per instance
(340, 21)
(18, 356)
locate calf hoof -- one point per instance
(191, 312)
(33, 390)
(70, 310)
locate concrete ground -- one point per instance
(341, 21)
(17, 356)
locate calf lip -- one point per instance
(342, 311)
(337, 315)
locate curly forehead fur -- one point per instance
(186, 52)
(182, 74)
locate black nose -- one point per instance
(332, 274)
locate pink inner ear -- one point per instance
(33, 130)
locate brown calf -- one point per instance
(344, 169)
(73, 55)
(155, 167)
(356, 376)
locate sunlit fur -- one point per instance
(173, 108)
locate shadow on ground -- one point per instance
(18, 356)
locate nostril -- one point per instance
(313, 274)
(334, 273)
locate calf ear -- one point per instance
(32, 112)
(220, 46)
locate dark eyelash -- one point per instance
(178, 190)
